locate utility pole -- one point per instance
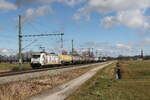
(20, 36)
(20, 43)
(72, 48)
(89, 51)
(92, 54)
(141, 53)
(62, 41)
(96, 53)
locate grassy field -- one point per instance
(8, 66)
(134, 85)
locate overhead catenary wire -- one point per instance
(29, 44)
(36, 35)
(21, 36)
(33, 27)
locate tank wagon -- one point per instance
(65, 59)
(42, 58)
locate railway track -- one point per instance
(12, 73)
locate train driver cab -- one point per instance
(38, 59)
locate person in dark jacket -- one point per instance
(118, 71)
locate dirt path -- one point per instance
(62, 91)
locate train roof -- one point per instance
(36, 53)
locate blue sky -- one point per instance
(113, 27)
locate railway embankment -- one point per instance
(64, 90)
(20, 87)
(44, 72)
(133, 85)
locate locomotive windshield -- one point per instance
(35, 56)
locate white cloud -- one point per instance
(109, 6)
(68, 2)
(95, 44)
(72, 2)
(5, 6)
(132, 19)
(41, 11)
(108, 49)
(6, 51)
(31, 13)
(130, 13)
(113, 6)
(109, 21)
(2, 50)
(81, 13)
(145, 42)
(123, 46)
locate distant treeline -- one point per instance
(26, 57)
(133, 57)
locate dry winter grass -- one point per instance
(14, 66)
(24, 89)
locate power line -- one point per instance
(36, 35)
(21, 36)
(34, 27)
(42, 25)
(29, 44)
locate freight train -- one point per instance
(40, 59)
